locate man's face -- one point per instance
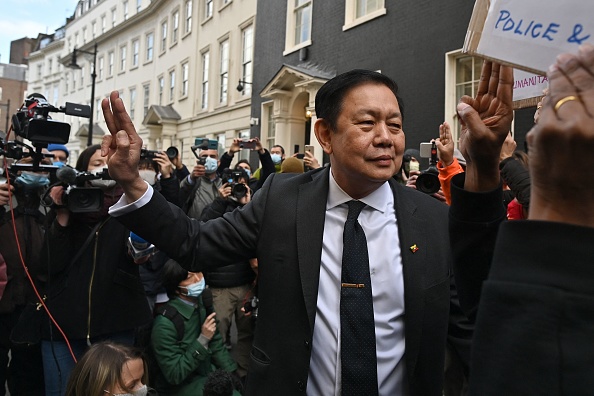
(59, 156)
(367, 146)
(210, 153)
(277, 150)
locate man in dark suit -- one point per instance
(297, 345)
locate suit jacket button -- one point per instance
(306, 344)
(301, 385)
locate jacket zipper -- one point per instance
(92, 278)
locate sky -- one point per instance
(28, 18)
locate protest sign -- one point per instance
(529, 34)
(528, 88)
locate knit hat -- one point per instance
(61, 147)
(292, 165)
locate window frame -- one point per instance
(150, 49)
(350, 14)
(224, 50)
(205, 78)
(247, 65)
(291, 25)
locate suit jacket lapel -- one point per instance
(410, 232)
(311, 212)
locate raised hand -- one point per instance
(486, 121)
(562, 142)
(122, 147)
(445, 144)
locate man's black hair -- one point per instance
(280, 147)
(242, 161)
(330, 97)
(173, 274)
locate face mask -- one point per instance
(276, 159)
(211, 165)
(32, 179)
(414, 166)
(248, 172)
(148, 176)
(142, 391)
(59, 164)
(195, 289)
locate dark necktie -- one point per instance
(357, 328)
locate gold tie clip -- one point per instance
(353, 285)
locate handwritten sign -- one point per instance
(529, 34)
(528, 88)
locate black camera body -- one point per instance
(428, 180)
(78, 198)
(150, 154)
(238, 189)
(251, 305)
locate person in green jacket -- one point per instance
(186, 363)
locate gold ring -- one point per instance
(564, 100)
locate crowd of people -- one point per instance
(338, 279)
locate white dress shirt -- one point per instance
(378, 220)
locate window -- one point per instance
(56, 94)
(103, 24)
(149, 46)
(132, 102)
(145, 103)
(302, 15)
(205, 65)
(113, 17)
(123, 58)
(138, 5)
(208, 9)
(74, 80)
(94, 29)
(175, 28)
(39, 71)
(125, 10)
(82, 76)
(171, 85)
(271, 126)
(185, 79)
(135, 52)
(110, 60)
(188, 24)
(361, 11)
(76, 39)
(224, 71)
(98, 111)
(163, 36)
(246, 58)
(49, 67)
(84, 35)
(100, 74)
(161, 88)
(66, 82)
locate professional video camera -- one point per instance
(150, 154)
(32, 122)
(428, 180)
(238, 189)
(78, 198)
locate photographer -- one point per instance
(232, 285)
(25, 373)
(201, 186)
(265, 159)
(94, 289)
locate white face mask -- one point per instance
(148, 176)
(142, 391)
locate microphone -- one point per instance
(67, 174)
(207, 301)
(139, 247)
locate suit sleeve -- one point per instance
(195, 245)
(474, 220)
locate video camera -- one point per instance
(78, 198)
(238, 189)
(428, 180)
(32, 122)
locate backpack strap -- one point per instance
(171, 313)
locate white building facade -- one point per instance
(176, 64)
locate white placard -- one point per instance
(528, 85)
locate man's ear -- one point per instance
(324, 135)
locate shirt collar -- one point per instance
(185, 308)
(378, 199)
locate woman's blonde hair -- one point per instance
(100, 369)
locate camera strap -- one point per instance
(88, 241)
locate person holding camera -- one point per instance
(200, 188)
(186, 342)
(254, 144)
(24, 374)
(94, 289)
(232, 285)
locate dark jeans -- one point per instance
(58, 362)
(25, 373)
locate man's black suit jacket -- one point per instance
(283, 227)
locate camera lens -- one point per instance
(428, 183)
(172, 152)
(239, 190)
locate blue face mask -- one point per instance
(32, 180)
(195, 289)
(59, 164)
(248, 172)
(276, 158)
(211, 165)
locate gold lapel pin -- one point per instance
(414, 248)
